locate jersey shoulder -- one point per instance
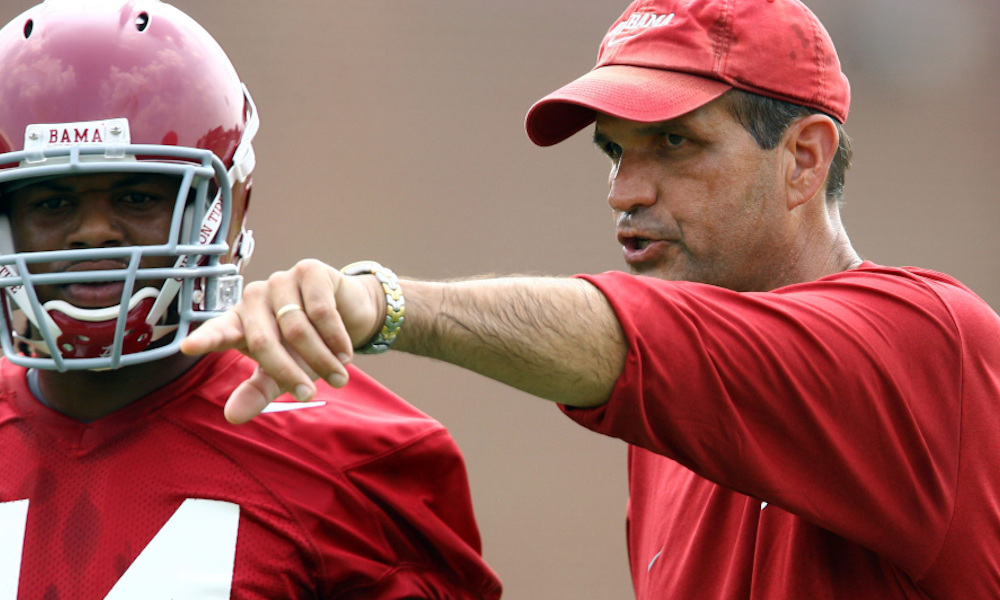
(359, 422)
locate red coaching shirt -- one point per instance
(356, 496)
(838, 439)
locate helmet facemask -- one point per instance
(160, 304)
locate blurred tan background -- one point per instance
(392, 130)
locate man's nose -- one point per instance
(631, 184)
(95, 226)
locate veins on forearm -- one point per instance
(544, 336)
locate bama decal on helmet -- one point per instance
(111, 131)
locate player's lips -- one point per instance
(93, 295)
(96, 294)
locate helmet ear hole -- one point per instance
(142, 21)
(28, 27)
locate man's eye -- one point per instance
(673, 140)
(54, 203)
(137, 198)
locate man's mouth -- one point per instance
(94, 295)
(97, 265)
(636, 243)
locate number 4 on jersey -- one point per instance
(190, 557)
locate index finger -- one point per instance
(224, 332)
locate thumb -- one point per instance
(251, 397)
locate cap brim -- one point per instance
(639, 94)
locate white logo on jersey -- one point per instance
(635, 25)
(287, 406)
(191, 556)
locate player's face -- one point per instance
(696, 199)
(106, 210)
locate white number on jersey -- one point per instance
(191, 556)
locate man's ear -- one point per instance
(810, 143)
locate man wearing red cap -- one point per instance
(802, 423)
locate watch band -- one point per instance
(394, 302)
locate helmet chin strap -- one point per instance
(244, 161)
(171, 287)
(138, 302)
(19, 294)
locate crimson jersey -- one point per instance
(838, 439)
(357, 495)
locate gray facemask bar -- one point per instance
(192, 165)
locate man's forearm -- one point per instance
(556, 338)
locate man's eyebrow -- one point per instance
(49, 186)
(672, 126)
(140, 178)
(57, 185)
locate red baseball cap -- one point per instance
(665, 58)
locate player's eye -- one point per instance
(52, 203)
(138, 199)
